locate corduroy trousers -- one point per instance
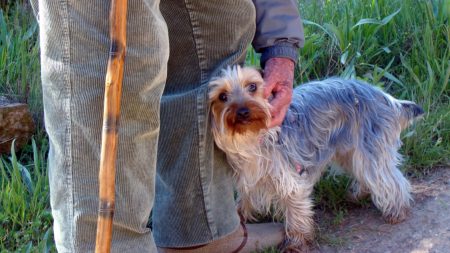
(167, 160)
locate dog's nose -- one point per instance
(243, 113)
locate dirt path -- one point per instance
(426, 230)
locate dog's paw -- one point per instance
(395, 219)
(293, 246)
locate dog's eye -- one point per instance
(223, 97)
(252, 87)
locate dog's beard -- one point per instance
(241, 139)
(252, 151)
(228, 125)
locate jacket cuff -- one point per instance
(282, 49)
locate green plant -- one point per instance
(25, 219)
(330, 192)
(402, 46)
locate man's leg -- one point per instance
(74, 41)
(194, 202)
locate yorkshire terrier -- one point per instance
(334, 121)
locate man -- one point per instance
(194, 202)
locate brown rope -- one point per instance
(245, 235)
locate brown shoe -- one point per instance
(247, 238)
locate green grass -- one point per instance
(400, 45)
(330, 192)
(25, 217)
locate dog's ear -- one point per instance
(261, 71)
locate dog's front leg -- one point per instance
(298, 220)
(245, 207)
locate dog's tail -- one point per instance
(410, 112)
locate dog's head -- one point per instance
(237, 103)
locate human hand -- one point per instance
(278, 78)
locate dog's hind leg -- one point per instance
(389, 189)
(357, 190)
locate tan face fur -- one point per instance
(237, 102)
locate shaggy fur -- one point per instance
(346, 122)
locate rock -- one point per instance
(15, 123)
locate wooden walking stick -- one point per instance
(111, 113)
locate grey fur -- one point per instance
(334, 119)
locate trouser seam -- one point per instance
(67, 109)
(201, 120)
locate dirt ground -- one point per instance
(362, 229)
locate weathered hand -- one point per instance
(279, 78)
